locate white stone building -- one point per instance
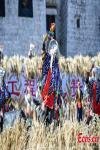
(26, 21)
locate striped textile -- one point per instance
(55, 77)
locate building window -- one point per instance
(78, 22)
(2, 8)
(25, 8)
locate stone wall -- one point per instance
(63, 27)
(86, 39)
(16, 33)
(51, 2)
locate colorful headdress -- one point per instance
(52, 27)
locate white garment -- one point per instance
(28, 100)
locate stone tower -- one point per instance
(81, 27)
(23, 22)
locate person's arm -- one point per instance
(43, 47)
(81, 94)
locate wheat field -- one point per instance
(39, 137)
(77, 65)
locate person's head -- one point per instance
(52, 27)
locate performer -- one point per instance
(94, 89)
(4, 93)
(79, 97)
(50, 74)
(48, 37)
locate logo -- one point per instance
(87, 139)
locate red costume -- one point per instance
(96, 107)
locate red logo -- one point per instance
(87, 139)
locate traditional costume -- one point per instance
(4, 93)
(94, 90)
(79, 97)
(50, 76)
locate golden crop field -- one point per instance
(39, 137)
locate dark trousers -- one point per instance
(1, 123)
(79, 114)
(49, 115)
